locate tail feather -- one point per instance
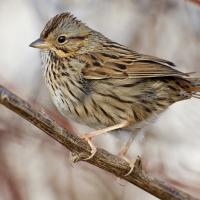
(195, 83)
(196, 96)
(196, 88)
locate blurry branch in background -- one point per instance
(81, 149)
(195, 1)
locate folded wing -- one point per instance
(124, 63)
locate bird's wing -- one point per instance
(124, 63)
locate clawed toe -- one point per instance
(131, 165)
(137, 165)
(93, 148)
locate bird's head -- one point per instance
(65, 35)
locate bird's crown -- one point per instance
(62, 21)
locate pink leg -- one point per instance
(88, 136)
(122, 153)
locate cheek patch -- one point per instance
(60, 53)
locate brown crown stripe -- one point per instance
(54, 22)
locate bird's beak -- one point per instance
(40, 44)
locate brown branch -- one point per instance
(80, 148)
(195, 1)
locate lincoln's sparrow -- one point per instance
(103, 84)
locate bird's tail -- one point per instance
(195, 83)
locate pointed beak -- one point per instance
(40, 44)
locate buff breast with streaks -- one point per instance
(103, 84)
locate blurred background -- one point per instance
(34, 166)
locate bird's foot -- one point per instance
(88, 137)
(134, 165)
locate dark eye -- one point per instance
(61, 39)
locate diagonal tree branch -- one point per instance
(80, 148)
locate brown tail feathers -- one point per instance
(195, 83)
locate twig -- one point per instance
(195, 1)
(80, 148)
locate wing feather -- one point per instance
(120, 62)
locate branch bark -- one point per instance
(80, 148)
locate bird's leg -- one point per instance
(122, 153)
(89, 136)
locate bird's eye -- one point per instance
(61, 39)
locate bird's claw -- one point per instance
(133, 165)
(93, 148)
